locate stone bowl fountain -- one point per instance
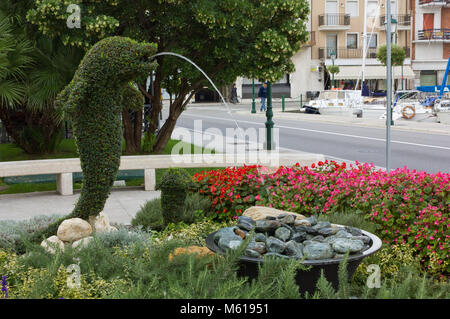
(321, 245)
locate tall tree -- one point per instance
(226, 38)
(34, 69)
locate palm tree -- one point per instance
(31, 76)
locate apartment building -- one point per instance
(337, 36)
(431, 40)
(339, 28)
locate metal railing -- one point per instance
(436, 2)
(434, 34)
(334, 20)
(403, 20)
(346, 53)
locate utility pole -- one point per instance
(389, 85)
(269, 116)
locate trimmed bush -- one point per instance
(93, 103)
(174, 186)
(150, 216)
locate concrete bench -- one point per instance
(63, 168)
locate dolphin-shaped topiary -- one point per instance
(93, 101)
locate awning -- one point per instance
(373, 72)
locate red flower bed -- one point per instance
(406, 205)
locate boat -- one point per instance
(413, 105)
(335, 102)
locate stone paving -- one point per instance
(121, 206)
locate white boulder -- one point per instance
(52, 243)
(82, 242)
(74, 229)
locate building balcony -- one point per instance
(346, 53)
(434, 35)
(403, 21)
(434, 3)
(334, 22)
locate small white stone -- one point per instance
(82, 242)
(100, 223)
(52, 243)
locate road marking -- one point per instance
(329, 157)
(326, 132)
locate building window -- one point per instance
(352, 40)
(428, 78)
(372, 40)
(372, 8)
(351, 8)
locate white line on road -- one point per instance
(327, 132)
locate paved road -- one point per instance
(415, 149)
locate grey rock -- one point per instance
(301, 229)
(274, 245)
(344, 245)
(312, 220)
(308, 242)
(246, 223)
(283, 233)
(258, 247)
(299, 237)
(312, 231)
(276, 255)
(294, 249)
(365, 248)
(331, 239)
(339, 256)
(364, 239)
(230, 242)
(252, 253)
(354, 231)
(318, 238)
(260, 237)
(224, 231)
(343, 234)
(281, 216)
(309, 237)
(289, 220)
(267, 225)
(328, 231)
(317, 251)
(321, 225)
(271, 217)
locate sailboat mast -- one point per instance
(364, 42)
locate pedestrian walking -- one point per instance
(234, 96)
(262, 93)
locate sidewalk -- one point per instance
(121, 206)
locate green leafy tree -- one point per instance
(33, 70)
(398, 55)
(226, 38)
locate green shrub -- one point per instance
(174, 187)
(13, 233)
(124, 237)
(196, 208)
(150, 216)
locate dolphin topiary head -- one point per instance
(117, 60)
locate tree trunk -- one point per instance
(156, 99)
(132, 139)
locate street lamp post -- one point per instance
(391, 26)
(392, 29)
(253, 100)
(333, 57)
(269, 116)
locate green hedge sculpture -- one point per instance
(174, 186)
(93, 102)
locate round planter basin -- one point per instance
(306, 280)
